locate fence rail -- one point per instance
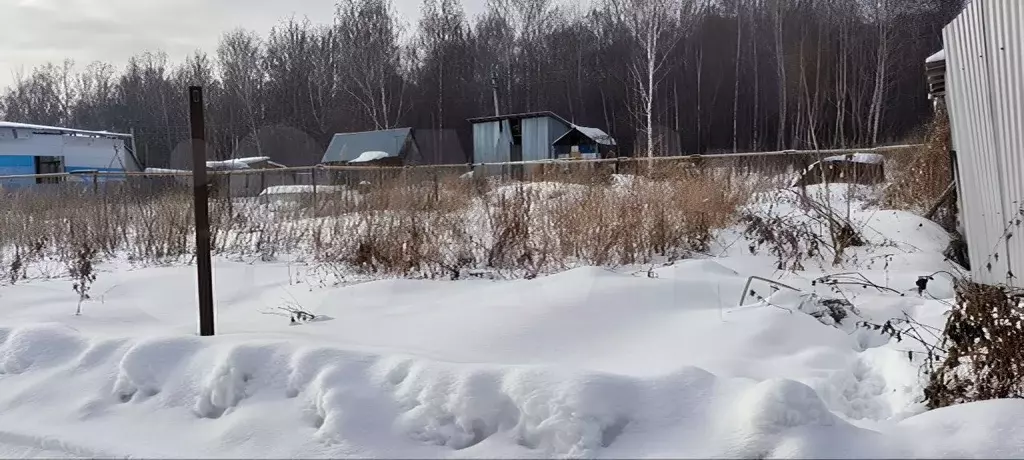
(779, 166)
(471, 166)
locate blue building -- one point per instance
(33, 149)
(536, 136)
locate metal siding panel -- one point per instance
(556, 129)
(485, 143)
(971, 116)
(1004, 19)
(37, 145)
(534, 139)
(94, 153)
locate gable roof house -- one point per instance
(536, 136)
(395, 147)
(390, 147)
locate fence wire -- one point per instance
(397, 219)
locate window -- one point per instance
(49, 165)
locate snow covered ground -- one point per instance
(655, 361)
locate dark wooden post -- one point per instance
(201, 191)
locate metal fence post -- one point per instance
(204, 264)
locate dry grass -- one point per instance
(402, 225)
(919, 177)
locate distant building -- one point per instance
(536, 136)
(34, 149)
(236, 185)
(935, 71)
(395, 147)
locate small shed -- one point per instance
(391, 147)
(536, 136)
(27, 149)
(584, 142)
(935, 71)
(234, 185)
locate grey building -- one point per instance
(395, 147)
(391, 147)
(536, 136)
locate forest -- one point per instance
(664, 77)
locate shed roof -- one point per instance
(345, 147)
(937, 57)
(64, 131)
(593, 134)
(519, 116)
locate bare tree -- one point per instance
(656, 27)
(372, 60)
(240, 56)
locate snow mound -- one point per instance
(367, 157)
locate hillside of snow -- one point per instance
(658, 361)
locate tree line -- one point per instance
(664, 77)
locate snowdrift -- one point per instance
(660, 361)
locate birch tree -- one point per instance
(656, 27)
(372, 60)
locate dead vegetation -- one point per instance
(920, 177)
(402, 225)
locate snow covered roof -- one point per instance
(238, 163)
(59, 130)
(865, 158)
(594, 134)
(369, 156)
(234, 164)
(346, 147)
(937, 57)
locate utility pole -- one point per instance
(201, 192)
(494, 88)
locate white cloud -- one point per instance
(33, 32)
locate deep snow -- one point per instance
(657, 361)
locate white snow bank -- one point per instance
(301, 189)
(659, 361)
(937, 57)
(366, 157)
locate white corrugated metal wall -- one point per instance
(985, 95)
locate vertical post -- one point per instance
(135, 152)
(96, 183)
(494, 88)
(312, 174)
(201, 194)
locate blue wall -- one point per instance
(16, 165)
(13, 165)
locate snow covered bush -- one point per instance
(983, 345)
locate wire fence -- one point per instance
(243, 183)
(400, 221)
